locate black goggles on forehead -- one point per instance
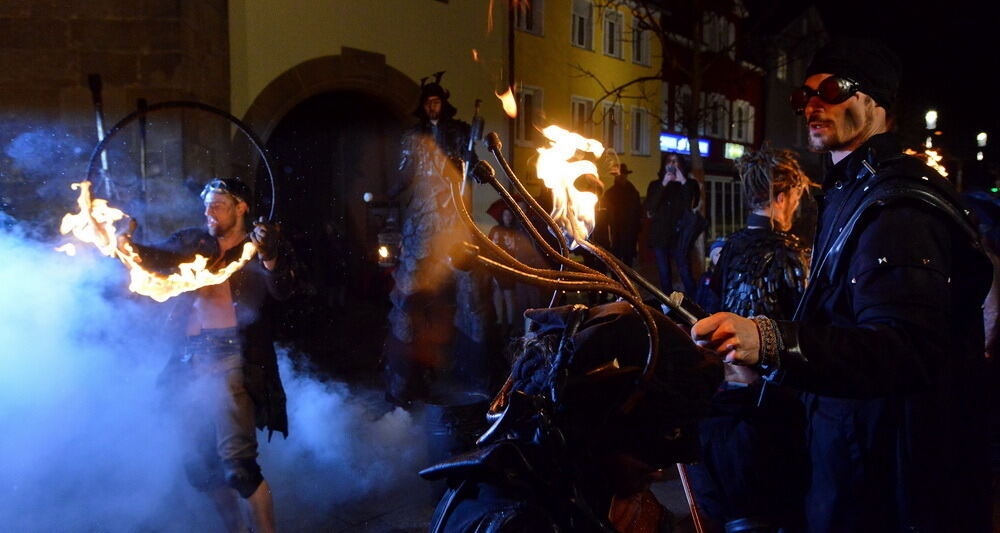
(832, 90)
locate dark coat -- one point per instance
(669, 209)
(624, 213)
(888, 346)
(253, 287)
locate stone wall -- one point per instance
(153, 49)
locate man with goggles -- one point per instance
(886, 345)
(833, 90)
(223, 379)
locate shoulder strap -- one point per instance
(892, 189)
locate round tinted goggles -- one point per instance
(832, 90)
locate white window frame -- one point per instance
(521, 19)
(613, 35)
(718, 116)
(665, 105)
(525, 133)
(640, 44)
(582, 115)
(613, 127)
(743, 122)
(577, 17)
(639, 137)
(680, 94)
(781, 65)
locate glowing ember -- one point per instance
(559, 167)
(932, 158)
(95, 223)
(68, 249)
(508, 101)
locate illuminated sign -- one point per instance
(734, 151)
(680, 144)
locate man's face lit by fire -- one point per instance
(223, 213)
(839, 127)
(432, 107)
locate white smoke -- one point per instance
(85, 445)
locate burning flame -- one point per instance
(475, 55)
(559, 167)
(932, 158)
(68, 249)
(95, 223)
(508, 101)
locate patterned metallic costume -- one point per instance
(761, 271)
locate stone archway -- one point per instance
(331, 127)
(352, 70)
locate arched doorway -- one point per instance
(328, 151)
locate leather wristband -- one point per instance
(770, 345)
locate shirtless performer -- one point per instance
(225, 379)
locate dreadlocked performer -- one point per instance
(225, 379)
(437, 312)
(762, 271)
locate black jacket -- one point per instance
(624, 213)
(667, 207)
(887, 344)
(253, 287)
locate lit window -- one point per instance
(614, 138)
(528, 16)
(529, 108)
(781, 65)
(582, 109)
(640, 131)
(613, 33)
(583, 24)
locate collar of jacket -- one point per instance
(875, 150)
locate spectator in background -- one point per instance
(623, 212)
(705, 296)
(670, 200)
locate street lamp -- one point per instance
(931, 119)
(981, 139)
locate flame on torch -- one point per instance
(68, 249)
(508, 101)
(932, 158)
(559, 167)
(95, 223)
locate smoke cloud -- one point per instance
(87, 446)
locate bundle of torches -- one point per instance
(95, 224)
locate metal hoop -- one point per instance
(176, 104)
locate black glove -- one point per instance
(265, 236)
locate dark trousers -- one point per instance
(678, 255)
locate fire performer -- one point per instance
(887, 342)
(438, 313)
(226, 376)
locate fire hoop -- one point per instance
(186, 104)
